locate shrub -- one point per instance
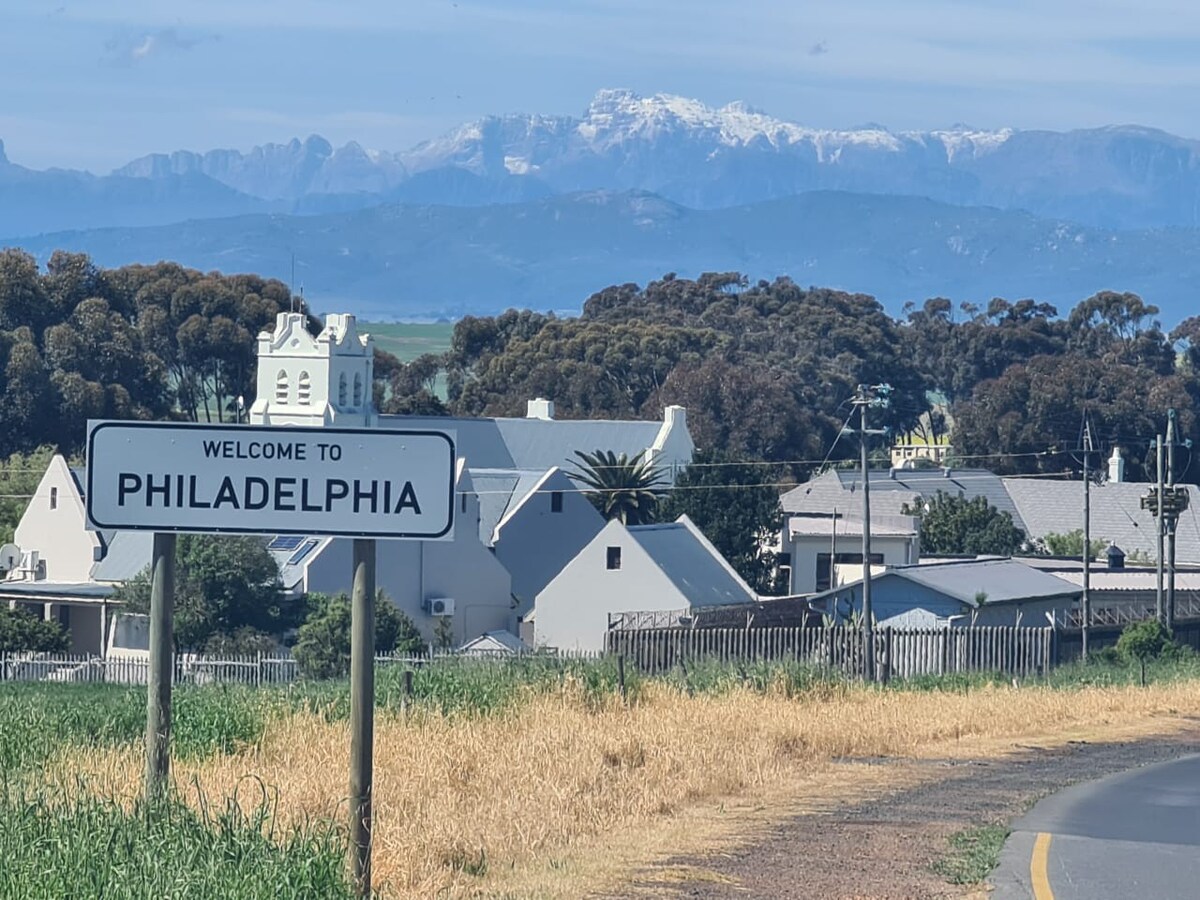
(23, 632)
(323, 644)
(1143, 640)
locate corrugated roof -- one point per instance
(1056, 507)
(881, 526)
(534, 444)
(1131, 580)
(892, 489)
(693, 565)
(1000, 579)
(494, 642)
(128, 552)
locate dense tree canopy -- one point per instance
(952, 525)
(140, 342)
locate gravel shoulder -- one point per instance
(885, 846)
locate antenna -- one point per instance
(292, 286)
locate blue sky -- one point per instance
(94, 83)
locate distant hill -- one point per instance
(1121, 177)
(551, 253)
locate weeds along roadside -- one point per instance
(631, 766)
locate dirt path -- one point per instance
(885, 847)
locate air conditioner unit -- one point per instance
(439, 606)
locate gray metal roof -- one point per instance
(40, 590)
(1056, 507)
(1000, 579)
(534, 444)
(127, 553)
(692, 563)
(892, 489)
(494, 642)
(500, 490)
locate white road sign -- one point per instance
(370, 483)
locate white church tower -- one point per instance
(318, 381)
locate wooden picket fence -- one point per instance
(899, 652)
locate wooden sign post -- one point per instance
(358, 483)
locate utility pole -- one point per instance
(1160, 608)
(1170, 521)
(867, 396)
(1087, 537)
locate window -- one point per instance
(614, 558)
(358, 390)
(556, 500)
(303, 389)
(342, 390)
(464, 501)
(281, 387)
(54, 498)
(843, 559)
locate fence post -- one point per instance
(621, 675)
(887, 654)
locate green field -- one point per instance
(408, 340)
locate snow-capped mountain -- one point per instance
(1120, 177)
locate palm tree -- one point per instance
(621, 488)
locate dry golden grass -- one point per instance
(526, 801)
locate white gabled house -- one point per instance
(639, 568)
(519, 520)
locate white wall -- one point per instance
(673, 447)
(573, 609)
(60, 535)
(897, 551)
(534, 543)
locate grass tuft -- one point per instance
(973, 854)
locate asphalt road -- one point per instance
(1133, 835)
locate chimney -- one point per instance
(1115, 557)
(947, 472)
(540, 409)
(1116, 466)
(675, 415)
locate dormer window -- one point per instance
(281, 387)
(342, 390)
(358, 390)
(303, 389)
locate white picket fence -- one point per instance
(192, 668)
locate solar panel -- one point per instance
(285, 542)
(304, 550)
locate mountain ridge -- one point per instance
(552, 252)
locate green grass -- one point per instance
(973, 854)
(37, 719)
(408, 340)
(55, 847)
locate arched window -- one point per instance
(281, 387)
(342, 390)
(358, 390)
(303, 389)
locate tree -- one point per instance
(323, 644)
(1142, 641)
(736, 506)
(1071, 544)
(23, 632)
(951, 524)
(621, 488)
(222, 585)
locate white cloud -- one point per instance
(133, 47)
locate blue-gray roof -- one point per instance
(892, 489)
(534, 444)
(1056, 507)
(692, 564)
(500, 490)
(40, 590)
(126, 554)
(1001, 580)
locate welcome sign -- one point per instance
(367, 483)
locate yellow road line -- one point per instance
(1038, 866)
